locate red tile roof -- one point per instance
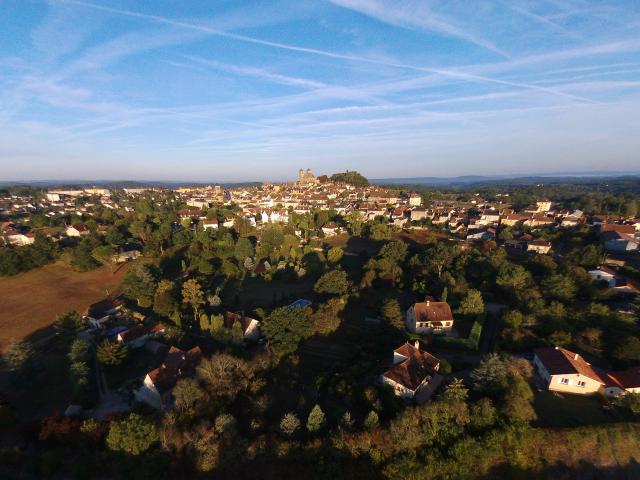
(230, 318)
(560, 361)
(432, 311)
(629, 378)
(177, 364)
(415, 369)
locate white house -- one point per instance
(210, 224)
(158, 384)
(330, 230)
(98, 313)
(429, 317)
(413, 372)
(621, 383)
(78, 230)
(564, 371)
(539, 246)
(127, 256)
(604, 274)
(17, 238)
(250, 326)
(415, 200)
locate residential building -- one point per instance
(539, 246)
(623, 382)
(564, 371)
(158, 384)
(414, 373)
(250, 326)
(429, 317)
(78, 230)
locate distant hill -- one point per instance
(469, 180)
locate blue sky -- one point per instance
(226, 90)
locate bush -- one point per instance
(289, 424)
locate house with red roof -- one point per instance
(623, 382)
(429, 317)
(78, 230)
(158, 384)
(250, 326)
(562, 370)
(413, 374)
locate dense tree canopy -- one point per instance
(285, 327)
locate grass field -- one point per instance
(566, 410)
(31, 300)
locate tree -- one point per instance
(187, 394)
(472, 303)
(391, 313)
(68, 325)
(334, 255)
(19, 357)
(347, 421)
(285, 327)
(244, 249)
(394, 251)
(225, 376)
(217, 324)
(79, 350)
(352, 178)
(490, 376)
(164, 301)
(354, 223)
(193, 295)
(82, 256)
(559, 287)
(371, 421)
(289, 424)
(271, 240)
(133, 434)
(628, 351)
(512, 319)
(140, 284)
(111, 354)
(316, 420)
(104, 254)
(115, 237)
(455, 391)
(326, 319)
(560, 338)
(482, 414)
(515, 277)
(205, 324)
(517, 400)
(334, 282)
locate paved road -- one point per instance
(491, 328)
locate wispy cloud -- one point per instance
(416, 14)
(258, 73)
(241, 83)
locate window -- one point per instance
(582, 384)
(564, 381)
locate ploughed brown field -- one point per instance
(31, 300)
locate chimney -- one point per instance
(417, 344)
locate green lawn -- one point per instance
(566, 410)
